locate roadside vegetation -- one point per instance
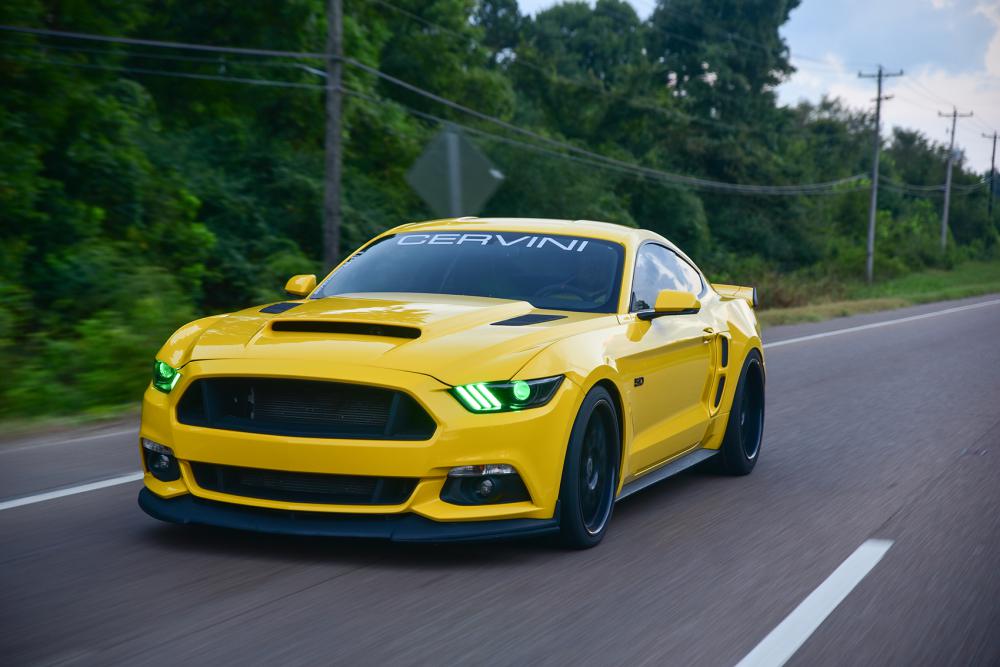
(133, 199)
(970, 279)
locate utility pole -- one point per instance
(873, 205)
(947, 179)
(333, 160)
(993, 174)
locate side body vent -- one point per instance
(279, 307)
(718, 392)
(525, 320)
(354, 328)
(723, 351)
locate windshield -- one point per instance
(547, 270)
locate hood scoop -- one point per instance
(350, 328)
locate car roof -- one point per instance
(629, 236)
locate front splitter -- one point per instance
(408, 527)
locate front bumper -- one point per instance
(532, 441)
(191, 510)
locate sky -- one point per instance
(949, 51)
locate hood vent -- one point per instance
(279, 307)
(525, 320)
(351, 328)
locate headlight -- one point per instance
(165, 376)
(506, 396)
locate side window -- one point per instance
(657, 268)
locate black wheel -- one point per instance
(590, 472)
(745, 430)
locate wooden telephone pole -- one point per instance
(993, 174)
(873, 205)
(333, 150)
(947, 179)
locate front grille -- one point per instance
(303, 487)
(304, 408)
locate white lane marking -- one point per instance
(82, 438)
(70, 491)
(876, 325)
(782, 643)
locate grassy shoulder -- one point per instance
(12, 430)
(965, 280)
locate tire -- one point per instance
(590, 472)
(745, 429)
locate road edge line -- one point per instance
(885, 323)
(70, 491)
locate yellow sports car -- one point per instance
(454, 380)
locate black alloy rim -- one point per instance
(752, 413)
(597, 466)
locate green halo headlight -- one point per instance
(521, 390)
(506, 396)
(165, 376)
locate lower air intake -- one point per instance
(304, 408)
(303, 487)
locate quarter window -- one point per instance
(658, 268)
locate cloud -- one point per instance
(918, 97)
(992, 57)
(950, 58)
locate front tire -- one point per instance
(590, 472)
(745, 430)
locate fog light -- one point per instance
(487, 487)
(489, 484)
(160, 461)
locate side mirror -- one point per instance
(671, 302)
(301, 285)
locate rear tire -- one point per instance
(590, 472)
(745, 429)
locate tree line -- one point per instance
(141, 187)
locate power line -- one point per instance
(937, 192)
(155, 72)
(596, 158)
(834, 187)
(679, 179)
(921, 89)
(163, 44)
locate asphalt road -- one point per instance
(884, 433)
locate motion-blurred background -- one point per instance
(142, 184)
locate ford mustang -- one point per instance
(454, 380)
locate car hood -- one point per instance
(455, 339)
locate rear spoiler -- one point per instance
(749, 294)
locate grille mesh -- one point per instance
(306, 408)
